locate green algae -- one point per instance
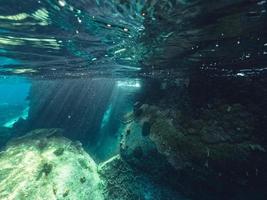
(59, 151)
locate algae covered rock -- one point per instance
(141, 152)
(5, 135)
(214, 153)
(45, 165)
(226, 123)
(123, 182)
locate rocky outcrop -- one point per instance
(122, 182)
(213, 153)
(5, 135)
(45, 165)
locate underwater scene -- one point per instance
(133, 100)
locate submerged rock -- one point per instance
(141, 152)
(215, 154)
(5, 135)
(205, 157)
(122, 182)
(35, 167)
(146, 129)
(45, 165)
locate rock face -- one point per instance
(5, 135)
(214, 153)
(45, 165)
(137, 148)
(122, 182)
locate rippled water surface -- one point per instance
(142, 36)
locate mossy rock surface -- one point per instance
(211, 152)
(124, 182)
(33, 171)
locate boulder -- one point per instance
(45, 165)
(215, 154)
(5, 135)
(122, 182)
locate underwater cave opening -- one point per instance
(88, 110)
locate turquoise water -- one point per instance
(138, 100)
(13, 100)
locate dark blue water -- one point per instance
(173, 92)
